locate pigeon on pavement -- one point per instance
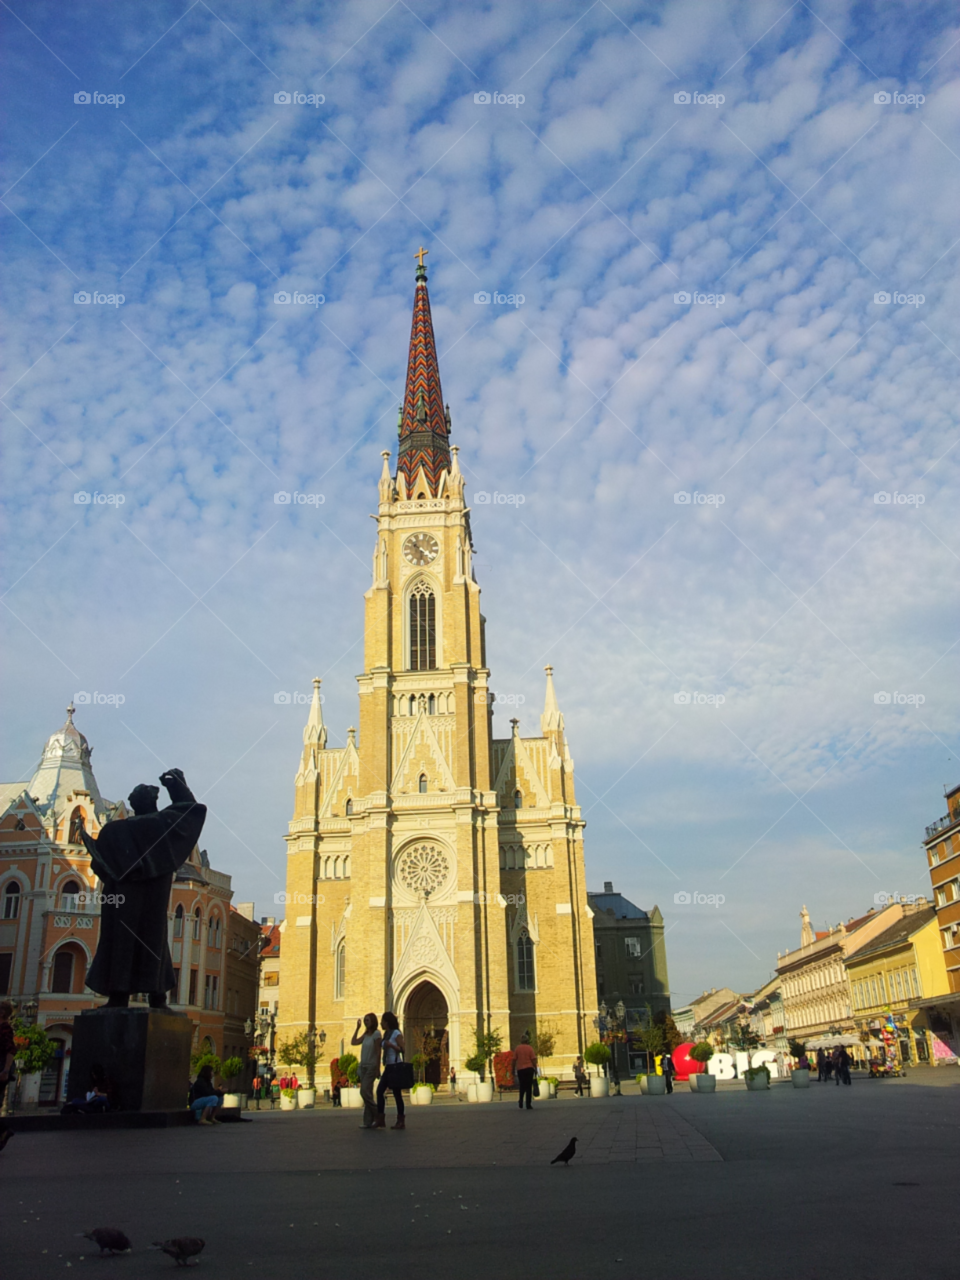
(109, 1239)
(181, 1249)
(567, 1154)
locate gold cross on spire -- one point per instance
(421, 253)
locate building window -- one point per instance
(431, 706)
(271, 979)
(213, 932)
(69, 896)
(633, 947)
(211, 994)
(423, 784)
(916, 983)
(175, 989)
(340, 972)
(349, 808)
(62, 971)
(518, 799)
(6, 971)
(11, 901)
(178, 922)
(423, 629)
(636, 987)
(76, 820)
(192, 995)
(197, 923)
(526, 980)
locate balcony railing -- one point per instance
(947, 820)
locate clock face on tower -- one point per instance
(421, 548)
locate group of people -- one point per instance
(835, 1065)
(380, 1058)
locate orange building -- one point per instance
(50, 916)
(942, 845)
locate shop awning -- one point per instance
(832, 1042)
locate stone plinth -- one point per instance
(145, 1052)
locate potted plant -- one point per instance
(548, 1086)
(702, 1081)
(301, 1051)
(653, 1040)
(487, 1045)
(757, 1078)
(799, 1076)
(421, 1095)
(288, 1099)
(232, 1071)
(598, 1055)
(350, 1067)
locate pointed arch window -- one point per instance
(340, 972)
(423, 628)
(178, 921)
(518, 799)
(69, 896)
(423, 784)
(413, 705)
(349, 809)
(62, 981)
(526, 975)
(197, 923)
(431, 705)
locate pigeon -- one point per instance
(567, 1154)
(109, 1239)
(181, 1249)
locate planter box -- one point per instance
(472, 1093)
(287, 1104)
(547, 1090)
(307, 1097)
(653, 1085)
(703, 1084)
(421, 1096)
(757, 1083)
(350, 1098)
(599, 1087)
(484, 1090)
(800, 1078)
(232, 1100)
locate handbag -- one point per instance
(401, 1073)
(536, 1087)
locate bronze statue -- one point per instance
(136, 858)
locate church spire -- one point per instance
(551, 721)
(424, 426)
(315, 731)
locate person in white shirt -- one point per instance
(370, 1043)
(392, 1053)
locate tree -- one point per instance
(671, 1035)
(597, 1055)
(32, 1046)
(544, 1039)
(301, 1051)
(486, 1045)
(204, 1059)
(232, 1069)
(797, 1048)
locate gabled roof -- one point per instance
(270, 940)
(622, 907)
(896, 935)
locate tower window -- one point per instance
(518, 799)
(431, 705)
(526, 980)
(349, 809)
(11, 901)
(340, 972)
(423, 784)
(423, 629)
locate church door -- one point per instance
(425, 1030)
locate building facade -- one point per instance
(50, 914)
(890, 976)
(942, 846)
(434, 868)
(814, 986)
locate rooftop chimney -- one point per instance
(608, 886)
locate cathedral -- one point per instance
(432, 868)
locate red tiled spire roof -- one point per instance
(424, 426)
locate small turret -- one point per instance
(315, 731)
(551, 721)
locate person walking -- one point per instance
(843, 1065)
(525, 1065)
(370, 1054)
(580, 1075)
(669, 1071)
(453, 1080)
(392, 1053)
(7, 1055)
(257, 1086)
(821, 1066)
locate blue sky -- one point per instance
(782, 398)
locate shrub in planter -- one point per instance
(597, 1054)
(702, 1051)
(232, 1072)
(757, 1077)
(350, 1067)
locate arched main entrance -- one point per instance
(425, 1030)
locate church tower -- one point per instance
(433, 869)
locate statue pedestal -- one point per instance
(145, 1052)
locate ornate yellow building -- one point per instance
(432, 868)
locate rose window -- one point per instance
(422, 869)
